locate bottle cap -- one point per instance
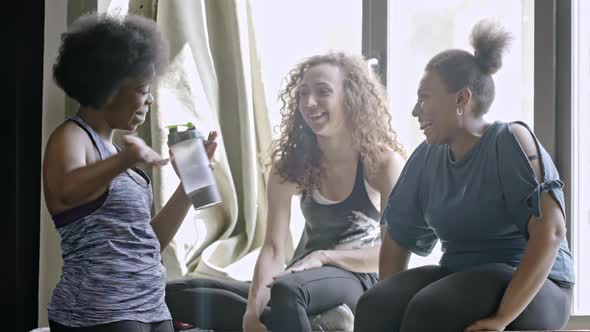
(175, 136)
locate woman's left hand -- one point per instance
(210, 144)
(314, 260)
(492, 323)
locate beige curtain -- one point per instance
(215, 82)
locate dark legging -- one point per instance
(121, 326)
(220, 305)
(431, 298)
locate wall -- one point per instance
(53, 114)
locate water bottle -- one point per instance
(192, 165)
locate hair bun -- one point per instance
(489, 40)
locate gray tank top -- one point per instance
(111, 256)
(350, 224)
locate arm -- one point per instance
(70, 160)
(358, 260)
(393, 258)
(404, 229)
(545, 236)
(167, 222)
(272, 254)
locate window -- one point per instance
(420, 29)
(286, 32)
(113, 7)
(417, 30)
(580, 182)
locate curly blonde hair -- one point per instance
(296, 156)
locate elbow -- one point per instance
(382, 268)
(383, 273)
(274, 251)
(68, 196)
(553, 235)
(557, 230)
(558, 234)
(374, 260)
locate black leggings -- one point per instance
(220, 305)
(430, 298)
(121, 326)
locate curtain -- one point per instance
(215, 82)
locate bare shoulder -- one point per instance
(278, 185)
(68, 147)
(67, 134)
(387, 170)
(390, 161)
(393, 159)
(527, 144)
(524, 138)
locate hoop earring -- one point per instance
(459, 111)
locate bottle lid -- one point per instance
(175, 136)
(188, 125)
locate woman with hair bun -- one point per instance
(493, 197)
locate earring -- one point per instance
(459, 111)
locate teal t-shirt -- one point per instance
(478, 207)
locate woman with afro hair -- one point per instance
(112, 278)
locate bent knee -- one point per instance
(284, 291)
(423, 305)
(370, 303)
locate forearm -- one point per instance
(392, 257)
(358, 260)
(389, 266)
(167, 222)
(270, 263)
(529, 277)
(81, 183)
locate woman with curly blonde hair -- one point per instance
(338, 151)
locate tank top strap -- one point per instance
(359, 183)
(97, 141)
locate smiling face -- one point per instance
(320, 96)
(436, 109)
(128, 107)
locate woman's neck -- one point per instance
(472, 131)
(337, 149)
(95, 119)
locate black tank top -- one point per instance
(350, 224)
